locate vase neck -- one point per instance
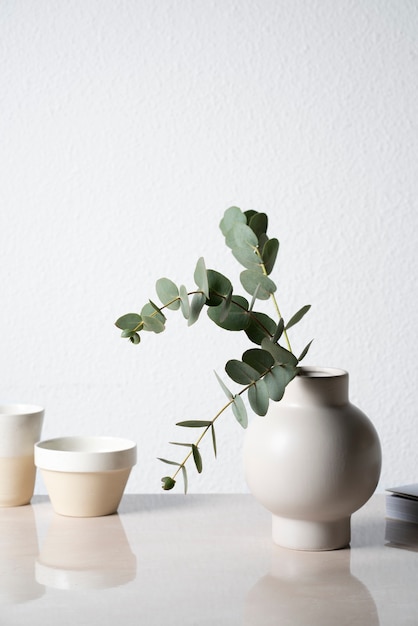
(318, 385)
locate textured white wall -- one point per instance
(127, 128)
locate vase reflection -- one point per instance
(18, 552)
(315, 588)
(86, 553)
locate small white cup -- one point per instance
(20, 429)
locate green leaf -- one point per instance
(232, 216)
(214, 440)
(169, 462)
(241, 236)
(178, 443)
(239, 411)
(260, 360)
(258, 397)
(225, 307)
(130, 321)
(153, 324)
(258, 224)
(184, 302)
(135, 338)
(237, 317)
(168, 292)
(152, 310)
(298, 316)
(280, 354)
(251, 280)
(261, 326)
(276, 381)
(247, 257)
(194, 423)
(279, 331)
(305, 351)
(269, 254)
(240, 372)
(201, 276)
(168, 483)
(196, 306)
(249, 214)
(185, 481)
(197, 457)
(219, 287)
(225, 389)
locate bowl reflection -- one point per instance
(89, 553)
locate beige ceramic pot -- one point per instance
(85, 476)
(312, 461)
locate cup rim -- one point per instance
(11, 409)
(85, 454)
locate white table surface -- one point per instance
(201, 560)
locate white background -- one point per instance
(127, 128)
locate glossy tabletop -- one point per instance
(196, 560)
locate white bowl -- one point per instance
(85, 476)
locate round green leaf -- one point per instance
(239, 411)
(219, 287)
(168, 292)
(240, 372)
(247, 257)
(258, 397)
(201, 276)
(184, 302)
(252, 280)
(241, 236)
(269, 254)
(152, 310)
(196, 306)
(259, 359)
(260, 327)
(129, 321)
(280, 354)
(276, 381)
(152, 324)
(237, 317)
(258, 224)
(168, 483)
(232, 216)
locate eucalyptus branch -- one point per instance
(264, 371)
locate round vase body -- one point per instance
(312, 461)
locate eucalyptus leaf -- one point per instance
(239, 411)
(249, 214)
(153, 324)
(130, 321)
(280, 354)
(225, 389)
(196, 306)
(219, 287)
(225, 307)
(261, 326)
(241, 236)
(152, 309)
(195, 423)
(298, 316)
(247, 257)
(168, 483)
(135, 338)
(258, 224)
(201, 277)
(240, 372)
(237, 316)
(214, 440)
(279, 331)
(259, 359)
(252, 280)
(197, 458)
(184, 302)
(305, 351)
(185, 481)
(269, 254)
(276, 381)
(169, 462)
(258, 397)
(232, 216)
(168, 293)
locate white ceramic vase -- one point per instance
(312, 461)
